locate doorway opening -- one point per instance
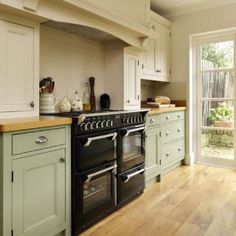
(215, 99)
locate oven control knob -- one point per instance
(135, 119)
(99, 124)
(88, 126)
(103, 124)
(140, 119)
(124, 120)
(111, 123)
(82, 126)
(93, 125)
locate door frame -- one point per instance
(192, 122)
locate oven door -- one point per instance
(130, 184)
(94, 194)
(93, 149)
(131, 147)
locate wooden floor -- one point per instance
(198, 200)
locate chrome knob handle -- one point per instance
(167, 133)
(167, 117)
(93, 125)
(178, 130)
(98, 125)
(167, 154)
(32, 104)
(103, 124)
(82, 126)
(179, 116)
(88, 126)
(179, 149)
(152, 120)
(41, 139)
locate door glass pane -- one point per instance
(218, 84)
(218, 114)
(217, 144)
(217, 55)
(97, 191)
(132, 146)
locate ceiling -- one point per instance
(172, 8)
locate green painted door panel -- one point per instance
(152, 154)
(39, 193)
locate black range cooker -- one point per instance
(107, 163)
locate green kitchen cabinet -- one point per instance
(172, 140)
(164, 144)
(35, 172)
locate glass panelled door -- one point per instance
(215, 99)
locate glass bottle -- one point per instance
(86, 98)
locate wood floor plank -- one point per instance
(198, 200)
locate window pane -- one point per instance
(217, 114)
(218, 84)
(217, 55)
(217, 144)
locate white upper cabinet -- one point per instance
(131, 81)
(18, 79)
(156, 60)
(162, 56)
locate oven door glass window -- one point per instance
(97, 191)
(132, 146)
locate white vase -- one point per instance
(76, 104)
(65, 105)
(47, 103)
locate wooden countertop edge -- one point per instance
(164, 110)
(8, 125)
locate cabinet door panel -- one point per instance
(132, 80)
(38, 193)
(152, 153)
(16, 67)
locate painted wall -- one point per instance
(204, 21)
(71, 60)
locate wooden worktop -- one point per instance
(163, 110)
(16, 124)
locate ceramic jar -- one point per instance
(47, 103)
(76, 104)
(65, 105)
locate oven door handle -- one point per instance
(89, 140)
(90, 176)
(134, 130)
(128, 177)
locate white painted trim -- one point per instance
(194, 39)
(189, 159)
(192, 8)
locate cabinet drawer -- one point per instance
(171, 116)
(33, 141)
(153, 120)
(172, 151)
(172, 131)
